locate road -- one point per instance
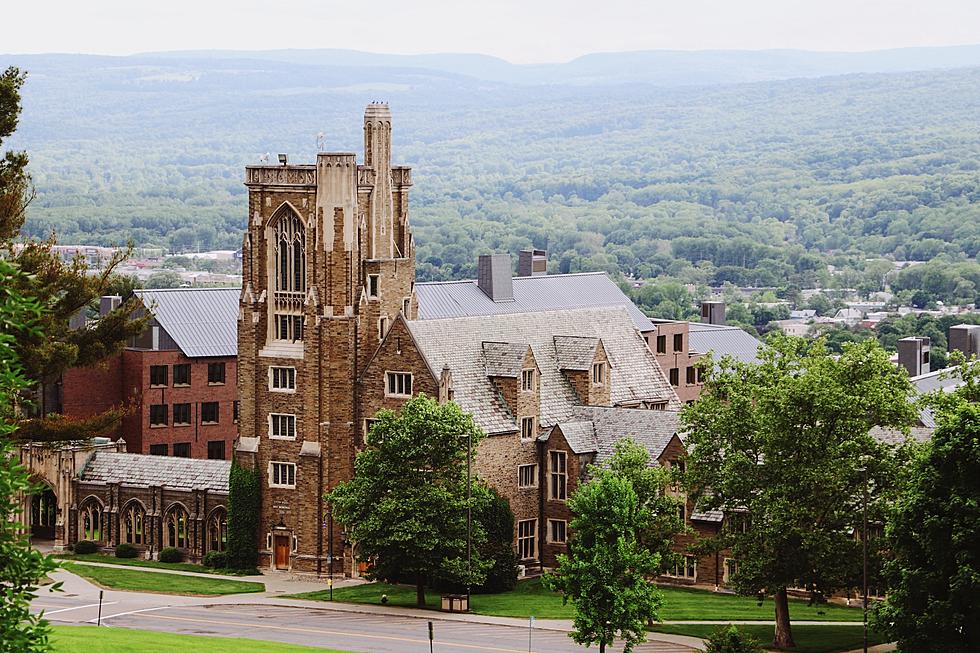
(267, 618)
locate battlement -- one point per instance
(288, 175)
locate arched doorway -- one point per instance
(217, 530)
(44, 513)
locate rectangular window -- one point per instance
(527, 380)
(558, 531)
(559, 476)
(661, 344)
(598, 373)
(282, 379)
(182, 449)
(687, 567)
(182, 414)
(398, 384)
(158, 376)
(678, 342)
(209, 412)
(731, 568)
(216, 373)
(698, 370)
(182, 374)
(368, 425)
(691, 375)
(282, 474)
(158, 450)
(406, 305)
(282, 426)
(288, 327)
(679, 464)
(373, 283)
(216, 450)
(682, 511)
(158, 415)
(382, 328)
(527, 476)
(234, 411)
(675, 376)
(527, 428)
(527, 539)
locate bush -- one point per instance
(732, 640)
(244, 508)
(170, 554)
(498, 522)
(216, 559)
(126, 551)
(86, 546)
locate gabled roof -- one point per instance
(202, 321)
(547, 292)
(651, 429)
(722, 340)
(504, 358)
(575, 353)
(458, 343)
(137, 470)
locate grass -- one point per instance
(809, 639)
(144, 581)
(153, 564)
(89, 639)
(532, 598)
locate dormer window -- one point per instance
(527, 380)
(598, 374)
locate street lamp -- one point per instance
(864, 554)
(330, 550)
(469, 514)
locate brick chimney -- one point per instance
(494, 277)
(713, 312)
(965, 338)
(913, 355)
(532, 262)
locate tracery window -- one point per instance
(90, 521)
(289, 260)
(218, 530)
(133, 520)
(175, 527)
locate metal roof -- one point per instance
(723, 340)
(549, 292)
(202, 321)
(137, 470)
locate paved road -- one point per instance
(351, 631)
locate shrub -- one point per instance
(732, 640)
(216, 559)
(170, 554)
(126, 551)
(498, 522)
(86, 546)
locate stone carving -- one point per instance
(281, 175)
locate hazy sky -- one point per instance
(522, 31)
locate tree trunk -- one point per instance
(420, 592)
(602, 647)
(783, 637)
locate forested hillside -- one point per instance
(758, 184)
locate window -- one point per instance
(282, 379)
(661, 344)
(527, 476)
(682, 511)
(182, 449)
(598, 373)
(698, 370)
(158, 450)
(527, 531)
(382, 327)
(406, 305)
(175, 528)
(282, 475)
(399, 384)
(679, 464)
(731, 568)
(557, 531)
(373, 283)
(289, 258)
(158, 376)
(687, 567)
(282, 426)
(678, 342)
(216, 373)
(559, 477)
(737, 522)
(182, 374)
(158, 415)
(527, 380)
(234, 411)
(289, 327)
(209, 412)
(527, 428)
(216, 450)
(218, 530)
(368, 425)
(182, 414)
(90, 521)
(691, 375)
(133, 519)
(674, 376)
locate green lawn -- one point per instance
(89, 639)
(154, 564)
(148, 581)
(531, 597)
(809, 639)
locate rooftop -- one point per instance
(202, 321)
(137, 470)
(591, 429)
(723, 340)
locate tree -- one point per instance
(606, 572)
(493, 513)
(785, 441)
(244, 508)
(406, 506)
(21, 567)
(166, 279)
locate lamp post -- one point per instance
(469, 514)
(864, 555)
(330, 550)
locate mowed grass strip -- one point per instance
(532, 598)
(809, 639)
(152, 564)
(89, 639)
(135, 580)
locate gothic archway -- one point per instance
(44, 513)
(175, 527)
(90, 522)
(133, 524)
(217, 530)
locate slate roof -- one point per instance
(458, 343)
(594, 429)
(504, 359)
(575, 353)
(722, 340)
(202, 321)
(548, 292)
(137, 470)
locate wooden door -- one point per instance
(282, 551)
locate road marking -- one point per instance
(123, 614)
(79, 607)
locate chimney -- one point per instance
(965, 338)
(913, 355)
(108, 303)
(494, 277)
(713, 312)
(532, 263)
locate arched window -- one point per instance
(90, 521)
(175, 527)
(133, 518)
(289, 262)
(218, 530)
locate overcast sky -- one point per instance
(521, 31)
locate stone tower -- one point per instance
(328, 262)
